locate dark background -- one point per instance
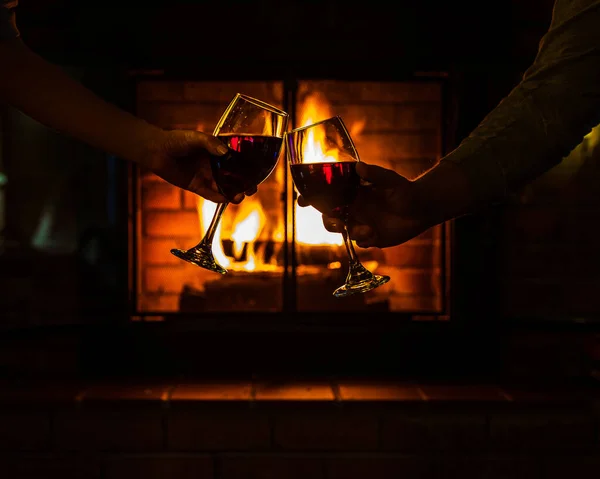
(502, 390)
(77, 274)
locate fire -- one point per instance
(206, 211)
(309, 225)
(250, 218)
(248, 223)
(247, 230)
(314, 109)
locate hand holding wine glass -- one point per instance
(389, 211)
(253, 131)
(323, 161)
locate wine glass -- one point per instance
(323, 159)
(253, 131)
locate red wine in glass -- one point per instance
(250, 160)
(253, 131)
(329, 187)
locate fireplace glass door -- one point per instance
(279, 255)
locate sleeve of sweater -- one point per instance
(554, 106)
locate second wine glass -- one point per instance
(323, 159)
(253, 131)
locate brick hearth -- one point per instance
(325, 430)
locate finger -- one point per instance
(205, 186)
(334, 225)
(376, 174)
(361, 232)
(370, 242)
(210, 143)
(302, 201)
(367, 211)
(209, 195)
(251, 191)
(237, 199)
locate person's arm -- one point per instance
(47, 94)
(556, 104)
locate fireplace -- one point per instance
(161, 399)
(279, 256)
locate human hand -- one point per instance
(386, 211)
(182, 157)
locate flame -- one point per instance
(309, 225)
(247, 231)
(206, 211)
(314, 109)
(248, 224)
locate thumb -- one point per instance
(197, 139)
(376, 175)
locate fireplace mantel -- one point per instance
(176, 392)
(338, 429)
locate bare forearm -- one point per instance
(47, 94)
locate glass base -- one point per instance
(360, 280)
(200, 256)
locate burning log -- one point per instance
(240, 291)
(315, 291)
(327, 254)
(271, 252)
(237, 291)
(319, 254)
(267, 252)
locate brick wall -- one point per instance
(401, 130)
(550, 265)
(239, 430)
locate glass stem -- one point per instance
(214, 224)
(357, 273)
(350, 248)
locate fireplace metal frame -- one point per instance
(294, 319)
